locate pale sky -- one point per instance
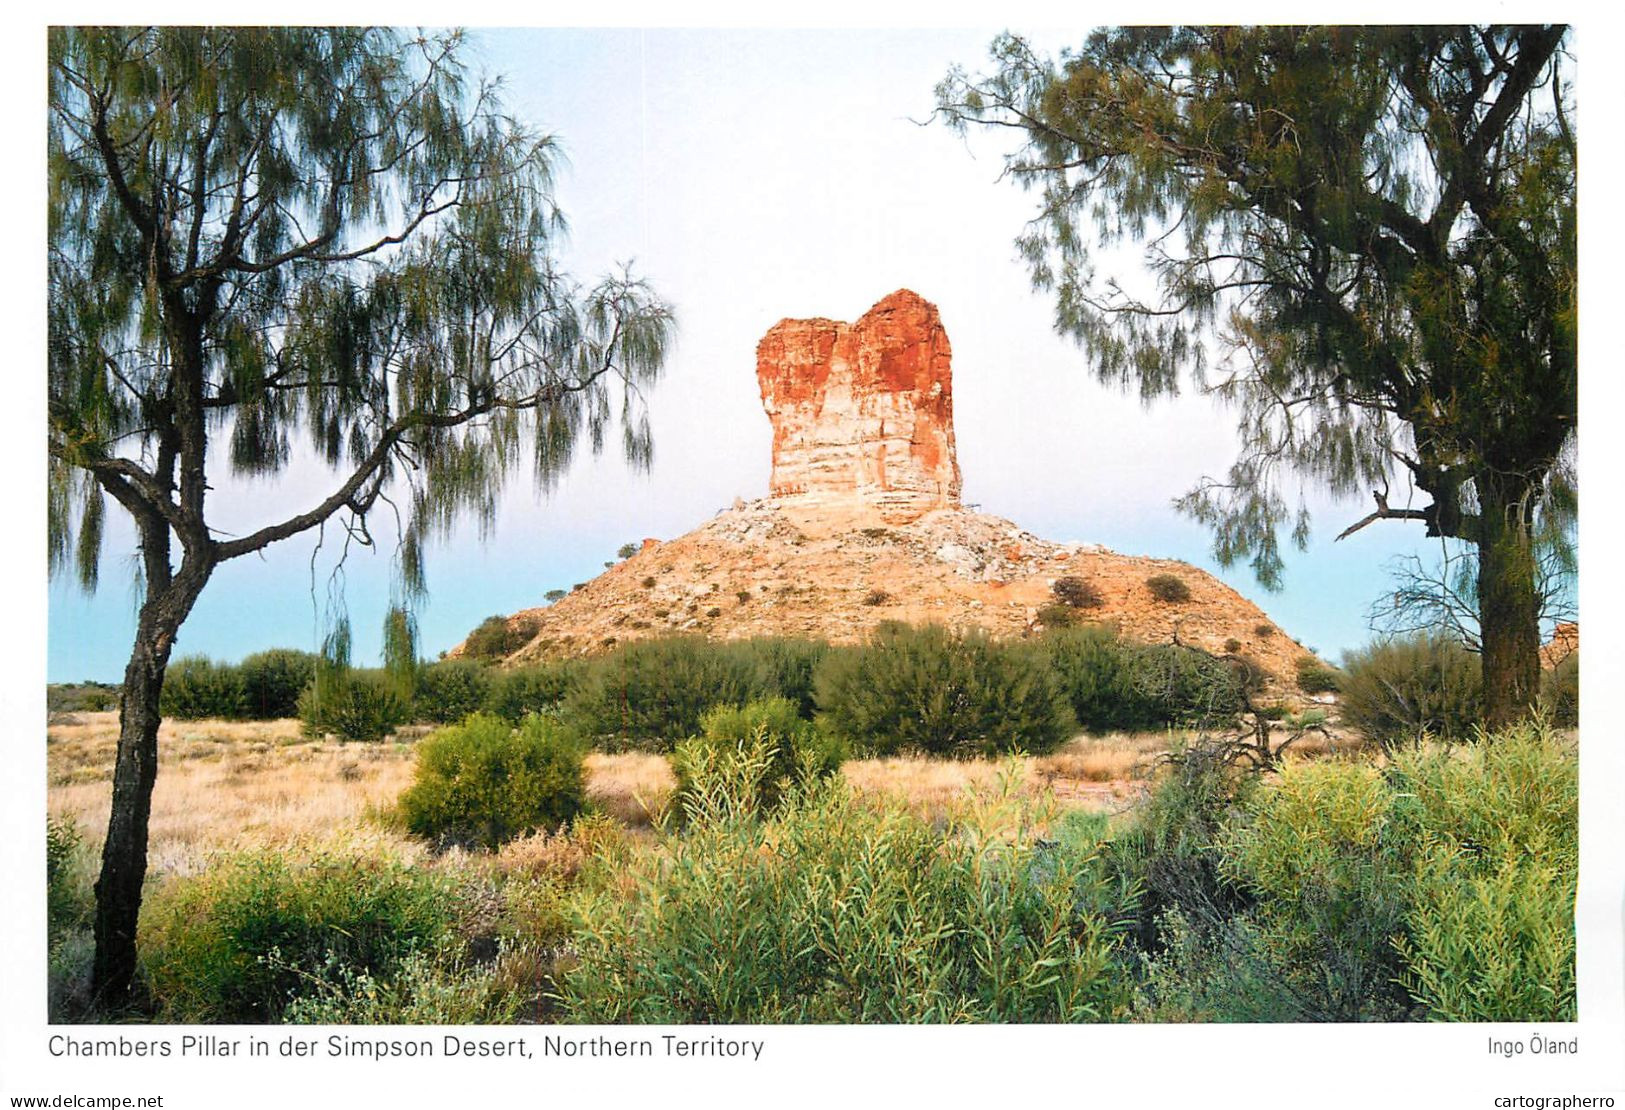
(752, 176)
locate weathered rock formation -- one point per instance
(864, 525)
(862, 413)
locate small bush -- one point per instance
(353, 706)
(649, 582)
(1232, 645)
(651, 693)
(236, 943)
(273, 680)
(713, 612)
(539, 688)
(70, 899)
(1397, 691)
(498, 636)
(933, 691)
(790, 747)
(423, 988)
(1116, 684)
(1264, 631)
(485, 782)
(196, 687)
(1314, 677)
(450, 690)
(877, 597)
(1076, 593)
(1057, 616)
(1168, 588)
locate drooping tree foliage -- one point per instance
(263, 236)
(1363, 237)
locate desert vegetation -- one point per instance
(933, 826)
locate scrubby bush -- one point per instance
(500, 636)
(1490, 932)
(1116, 684)
(237, 942)
(353, 705)
(423, 988)
(69, 897)
(1168, 588)
(196, 687)
(1314, 677)
(930, 690)
(835, 911)
(784, 667)
(1076, 593)
(790, 748)
(485, 782)
(1056, 616)
(652, 692)
(539, 688)
(1399, 690)
(877, 597)
(1560, 691)
(273, 680)
(450, 690)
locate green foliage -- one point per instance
(80, 697)
(498, 637)
(451, 689)
(1056, 615)
(938, 692)
(1314, 677)
(196, 687)
(1397, 691)
(273, 680)
(1490, 933)
(627, 550)
(422, 988)
(69, 899)
(793, 748)
(353, 705)
(1116, 684)
(237, 942)
(1442, 886)
(1168, 588)
(835, 911)
(537, 688)
(485, 782)
(1076, 593)
(652, 693)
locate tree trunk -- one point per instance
(1508, 603)
(124, 854)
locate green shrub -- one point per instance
(196, 687)
(499, 636)
(1314, 677)
(1328, 856)
(798, 749)
(1168, 588)
(1076, 593)
(485, 782)
(1490, 933)
(70, 899)
(423, 988)
(652, 693)
(1056, 616)
(834, 911)
(237, 942)
(273, 680)
(1560, 691)
(450, 690)
(783, 666)
(353, 706)
(942, 693)
(1115, 684)
(1397, 691)
(539, 688)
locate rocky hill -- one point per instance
(864, 524)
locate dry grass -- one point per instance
(227, 785)
(635, 787)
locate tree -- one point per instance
(255, 233)
(1374, 228)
